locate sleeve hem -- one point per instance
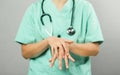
(97, 41)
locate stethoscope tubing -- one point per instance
(41, 18)
(70, 30)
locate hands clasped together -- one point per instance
(60, 50)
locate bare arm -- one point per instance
(88, 49)
(33, 50)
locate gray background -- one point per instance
(106, 63)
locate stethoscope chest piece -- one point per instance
(70, 31)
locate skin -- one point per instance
(59, 3)
(58, 50)
(60, 47)
(34, 50)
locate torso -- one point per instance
(61, 21)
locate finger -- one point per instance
(52, 52)
(60, 61)
(61, 51)
(52, 49)
(56, 51)
(71, 58)
(66, 61)
(65, 48)
(60, 48)
(61, 55)
(55, 55)
(53, 60)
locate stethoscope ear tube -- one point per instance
(41, 18)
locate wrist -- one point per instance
(71, 45)
(46, 40)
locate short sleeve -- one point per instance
(26, 32)
(93, 29)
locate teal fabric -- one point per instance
(85, 23)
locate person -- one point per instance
(54, 45)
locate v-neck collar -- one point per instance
(66, 8)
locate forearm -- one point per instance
(35, 49)
(88, 49)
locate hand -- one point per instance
(58, 47)
(63, 52)
(65, 56)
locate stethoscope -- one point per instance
(70, 30)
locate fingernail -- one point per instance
(67, 67)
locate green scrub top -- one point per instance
(87, 30)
